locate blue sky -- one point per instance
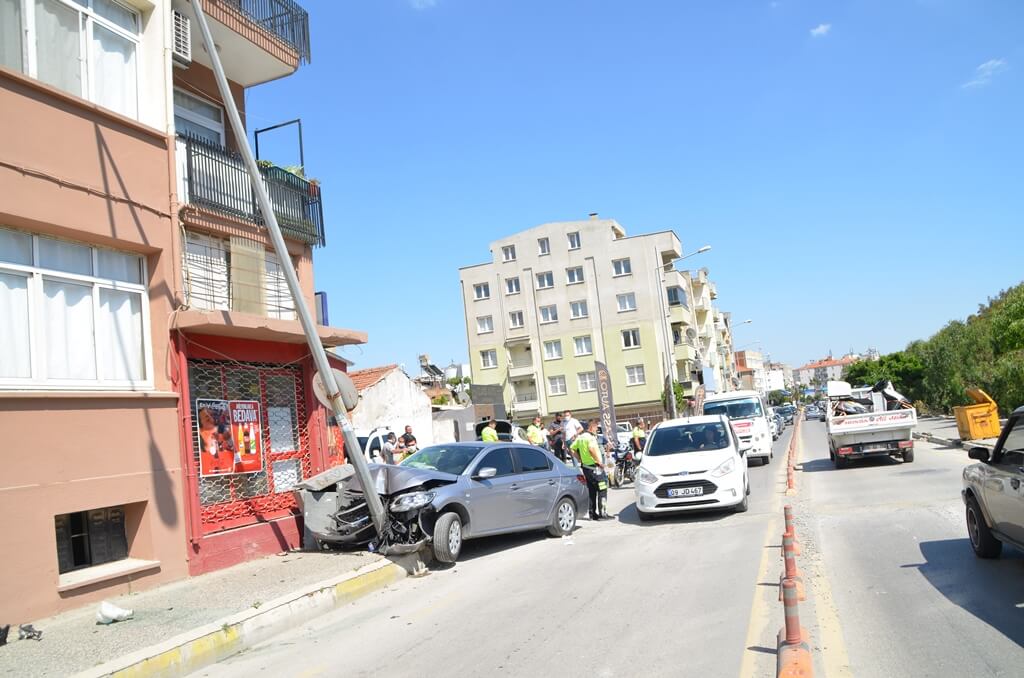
(856, 166)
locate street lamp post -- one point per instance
(667, 330)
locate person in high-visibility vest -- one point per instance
(639, 436)
(586, 450)
(535, 432)
(490, 432)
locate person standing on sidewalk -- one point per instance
(588, 453)
(389, 451)
(556, 438)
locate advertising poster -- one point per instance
(605, 401)
(230, 438)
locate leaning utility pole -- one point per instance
(330, 384)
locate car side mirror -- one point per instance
(979, 454)
(485, 473)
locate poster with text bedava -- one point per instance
(229, 437)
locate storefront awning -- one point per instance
(258, 328)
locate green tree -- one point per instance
(776, 398)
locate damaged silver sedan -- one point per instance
(445, 494)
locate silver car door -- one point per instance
(1004, 485)
(490, 499)
(536, 487)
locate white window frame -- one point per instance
(621, 267)
(510, 283)
(591, 377)
(512, 316)
(569, 275)
(575, 346)
(557, 379)
(634, 331)
(632, 380)
(508, 253)
(548, 277)
(483, 359)
(620, 298)
(486, 287)
(580, 304)
(484, 324)
(30, 58)
(553, 355)
(553, 316)
(579, 241)
(211, 125)
(543, 247)
(36, 275)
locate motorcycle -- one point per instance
(626, 462)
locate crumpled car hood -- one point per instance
(388, 479)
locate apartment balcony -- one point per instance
(215, 178)
(679, 314)
(520, 365)
(257, 40)
(525, 402)
(683, 352)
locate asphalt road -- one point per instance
(898, 590)
(667, 598)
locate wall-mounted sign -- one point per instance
(230, 437)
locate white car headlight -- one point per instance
(725, 468)
(646, 477)
(412, 501)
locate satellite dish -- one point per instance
(348, 391)
(691, 333)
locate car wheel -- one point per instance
(564, 521)
(448, 537)
(983, 542)
(644, 517)
(908, 456)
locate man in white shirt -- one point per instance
(572, 428)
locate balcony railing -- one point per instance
(284, 18)
(214, 177)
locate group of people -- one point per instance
(578, 442)
(397, 448)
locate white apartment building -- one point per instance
(554, 299)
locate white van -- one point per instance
(749, 415)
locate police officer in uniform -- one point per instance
(586, 450)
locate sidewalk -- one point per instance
(200, 619)
(943, 431)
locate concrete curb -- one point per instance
(216, 641)
(952, 442)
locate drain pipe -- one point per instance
(330, 384)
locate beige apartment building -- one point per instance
(556, 298)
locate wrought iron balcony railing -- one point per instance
(284, 18)
(214, 177)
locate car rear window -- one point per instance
(687, 438)
(735, 409)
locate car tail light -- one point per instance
(845, 450)
(906, 443)
(582, 478)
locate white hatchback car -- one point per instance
(692, 463)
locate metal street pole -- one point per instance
(357, 459)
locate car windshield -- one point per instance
(445, 458)
(735, 409)
(687, 438)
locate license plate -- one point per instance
(686, 491)
(875, 448)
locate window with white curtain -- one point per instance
(71, 315)
(85, 47)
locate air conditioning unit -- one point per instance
(182, 39)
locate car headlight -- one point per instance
(646, 477)
(725, 468)
(412, 501)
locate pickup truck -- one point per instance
(993, 491)
(858, 430)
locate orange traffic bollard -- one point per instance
(791, 573)
(794, 652)
(787, 511)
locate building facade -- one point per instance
(556, 298)
(137, 286)
(818, 372)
